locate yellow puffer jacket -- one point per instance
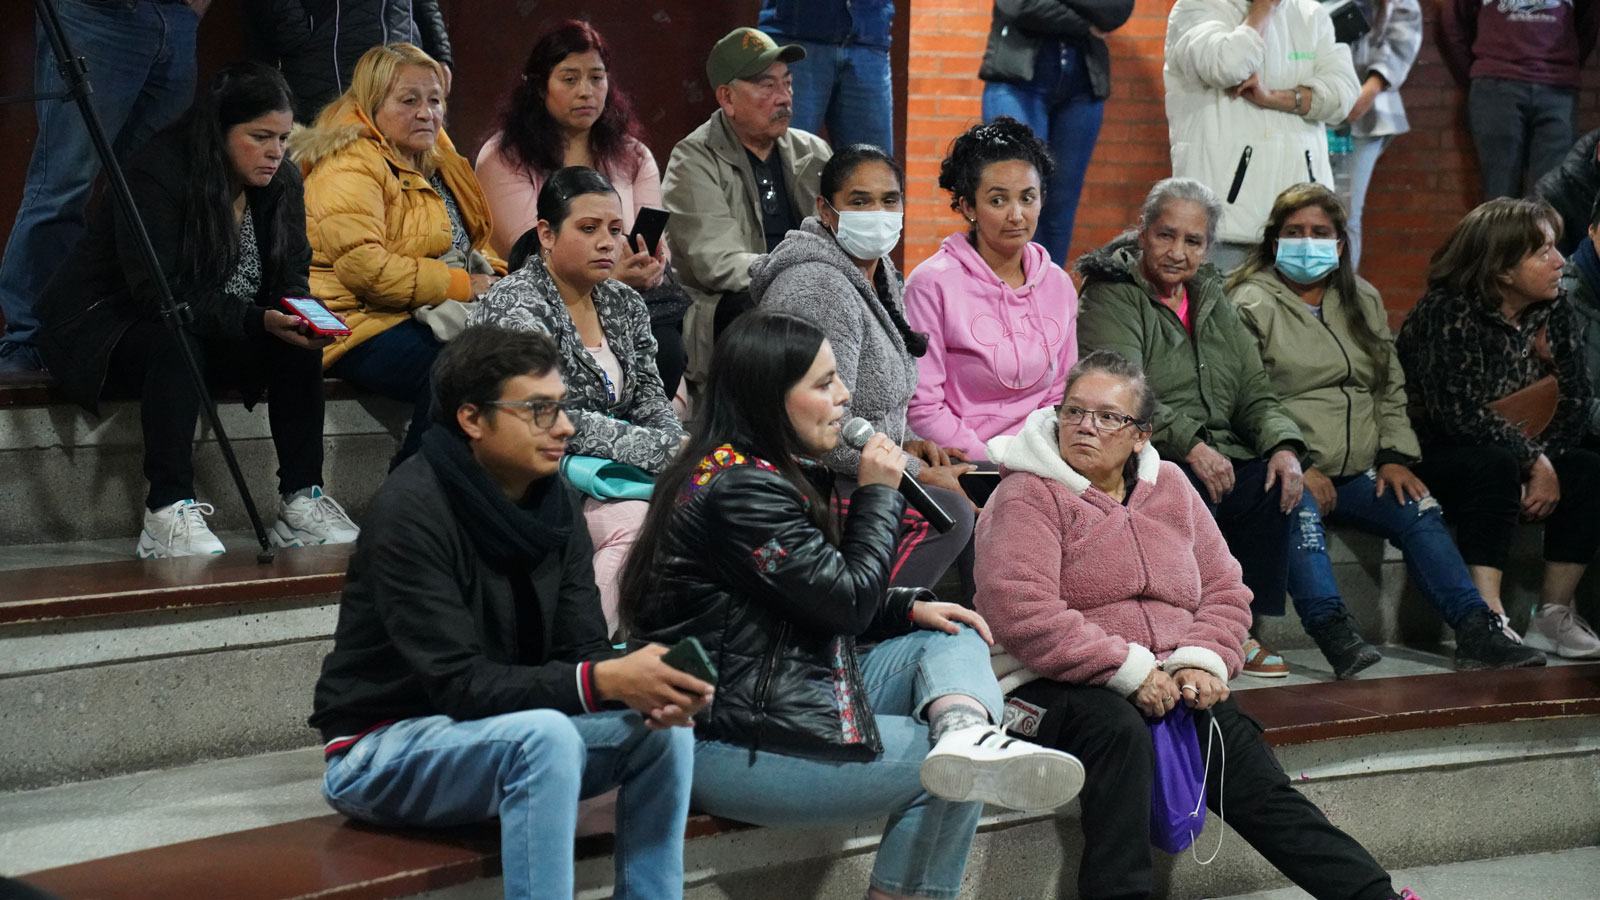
(377, 227)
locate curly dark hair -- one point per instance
(1002, 140)
(529, 135)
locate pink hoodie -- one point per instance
(994, 354)
(1082, 589)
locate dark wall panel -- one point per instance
(659, 48)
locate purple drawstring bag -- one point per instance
(1177, 792)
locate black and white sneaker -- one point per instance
(979, 763)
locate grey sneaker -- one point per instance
(1557, 628)
(312, 519)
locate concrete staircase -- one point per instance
(197, 677)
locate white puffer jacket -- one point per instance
(1245, 153)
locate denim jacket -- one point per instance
(865, 23)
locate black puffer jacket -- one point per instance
(317, 42)
(778, 607)
(1572, 187)
(1019, 26)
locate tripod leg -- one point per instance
(78, 87)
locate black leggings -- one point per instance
(1480, 488)
(148, 356)
(1112, 739)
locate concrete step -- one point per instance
(149, 663)
(68, 476)
(1389, 609)
(1418, 798)
(1561, 875)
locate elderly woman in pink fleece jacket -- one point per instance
(1135, 607)
(1000, 317)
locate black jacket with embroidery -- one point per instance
(1460, 354)
(778, 607)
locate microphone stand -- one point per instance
(75, 73)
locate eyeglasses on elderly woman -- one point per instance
(1105, 421)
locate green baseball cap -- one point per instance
(747, 52)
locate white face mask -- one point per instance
(868, 234)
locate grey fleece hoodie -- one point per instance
(810, 275)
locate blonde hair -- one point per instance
(375, 75)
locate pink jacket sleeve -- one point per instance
(1223, 620)
(1019, 568)
(929, 415)
(513, 194)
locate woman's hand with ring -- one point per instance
(1201, 689)
(1155, 696)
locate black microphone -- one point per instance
(856, 433)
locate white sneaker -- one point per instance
(178, 530)
(1557, 628)
(979, 763)
(313, 519)
(1505, 626)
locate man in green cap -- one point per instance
(738, 183)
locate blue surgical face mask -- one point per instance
(1306, 260)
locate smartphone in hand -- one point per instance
(690, 657)
(649, 225)
(319, 318)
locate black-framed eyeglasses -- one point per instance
(1105, 420)
(544, 413)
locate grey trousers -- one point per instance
(1521, 131)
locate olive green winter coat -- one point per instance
(1210, 387)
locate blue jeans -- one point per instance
(1417, 528)
(848, 87)
(1060, 106)
(925, 843)
(530, 768)
(140, 58)
(396, 364)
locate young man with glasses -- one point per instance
(470, 676)
(738, 183)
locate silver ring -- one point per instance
(1167, 699)
(1190, 687)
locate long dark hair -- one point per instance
(757, 360)
(238, 93)
(1264, 255)
(834, 174)
(529, 135)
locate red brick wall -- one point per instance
(1424, 183)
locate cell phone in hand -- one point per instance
(689, 657)
(649, 225)
(319, 318)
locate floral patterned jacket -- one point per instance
(638, 427)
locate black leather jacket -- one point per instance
(1019, 26)
(779, 609)
(1571, 188)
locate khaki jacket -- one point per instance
(377, 227)
(716, 230)
(1348, 398)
